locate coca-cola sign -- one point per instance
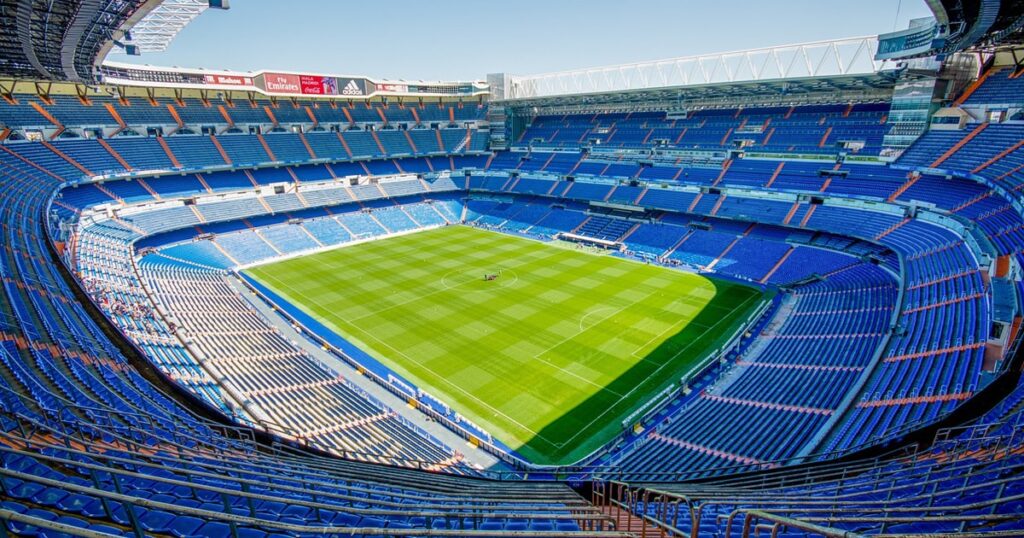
(317, 85)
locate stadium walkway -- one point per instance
(473, 455)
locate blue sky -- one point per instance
(466, 39)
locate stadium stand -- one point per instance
(807, 129)
(753, 253)
(963, 483)
(149, 389)
(61, 366)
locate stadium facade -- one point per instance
(857, 200)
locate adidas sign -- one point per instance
(352, 89)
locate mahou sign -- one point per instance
(227, 80)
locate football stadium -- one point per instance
(767, 292)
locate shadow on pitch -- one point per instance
(691, 343)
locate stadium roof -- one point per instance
(780, 72)
(841, 57)
(156, 30)
(62, 39)
(766, 93)
(979, 22)
(959, 25)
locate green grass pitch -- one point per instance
(550, 357)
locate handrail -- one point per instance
(833, 508)
(311, 476)
(819, 473)
(808, 501)
(790, 523)
(131, 502)
(449, 486)
(63, 528)
(421, 508)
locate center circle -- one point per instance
(478, 280)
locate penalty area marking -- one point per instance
(652, 374)
(594, 311)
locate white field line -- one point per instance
(449, 287)
(685, 323)
(352, 323)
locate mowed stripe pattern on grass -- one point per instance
(548, 357)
